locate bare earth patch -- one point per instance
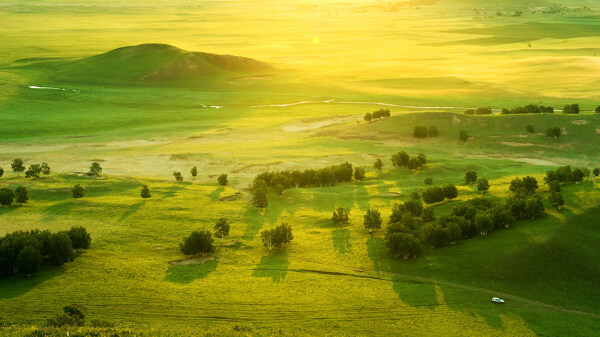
(390, 194)
(597, 130)
(192, 261)
(580, 122)
(306, 126)
(518, 144)
(232, 197)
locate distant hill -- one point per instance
(156, 64)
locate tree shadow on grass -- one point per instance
(255, 219)
(274, 265)
(214, 195)
(184, 274)
(132, 209)
(5, 210)
(57, 210)
(341, 241)
(413, 293)
(17, 285)
(171, 192)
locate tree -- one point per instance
(340, 216)
(194, 171)
(528, 185)
(29, 260)
(259, 193)
(400, 159)
(428, 181)
(420, 132)
(34, 171)
(554, 186)
(359, 173)
(463, 135)
(422, 158)
(80, 238)
(222, 179)
(577, 175)
(372, 219)
(433, 131)
(554, 132)
(368, 117)
(178, 177)
(533, 207)
(60, 248)
(17, 166)
(95, 169)
(571, 109)
(197, 243)
(6, 196)
(404, 245)
(450, 191)
(1, 171)
(21, 195)
(414, 163)
(470, 177)
(221, 228)
(414, 207)
(77, 191)
(483, 185)
(433, 195)
(596, 172)
(428, 214)
(598, 109)
(529, 128)
(277, 237)
(145, 193)
(556, 199)
(483, 223)
(45, 169)
(378, 164)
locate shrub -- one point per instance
(463, 135)
(222, 179)
(77, 191)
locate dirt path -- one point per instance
(440, 282)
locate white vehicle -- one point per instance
(497, 300)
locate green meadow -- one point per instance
(144, 89)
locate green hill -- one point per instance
(155, 64)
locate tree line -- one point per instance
(424, 132)
(26, 251)
(403, 159)
(478, 111)
(381, 113)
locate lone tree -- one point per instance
(277, 237)
(359, 173)
(372, 220)
(470, 177)
(221, 228)
(17, 166)
(34, 171)
(45, 169)
(6, 196)
(145, 193)
(378, 165)
(529, 128)
(194, 171)
(554, 132)
(178, 177)
(340, 216)
(463, 135)
(222, 179)
(77, 191)
(95, 169)
(483, 185)
(21, 195)
(197, 243)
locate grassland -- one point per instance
(329, 281)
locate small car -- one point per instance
(497, 300)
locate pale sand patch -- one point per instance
(518, 144)
(530, 161)
(306, 126)
(455, 120)
(580, 122)
(597, 130)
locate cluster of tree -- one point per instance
(478, 111)
(34, 171)
(554, 132)
(564, 174)
(403, 159)
(423, 131)
(277, 237)
(7, 196)
(72, 315)
(381, 113)
(197, 243)
(528, 109)
(482, 183)
(24, 252)
(437, 193)
(571, 109)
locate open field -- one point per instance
(310, 72)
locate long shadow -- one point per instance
(171, 192)
(361, 197)
(214, 195)
(57, 210)
(255, 220)
(418, 294)
(341, 241)
(274, 265)
(132, 209)
(183, 274)
(5, 210)
(18, 285)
